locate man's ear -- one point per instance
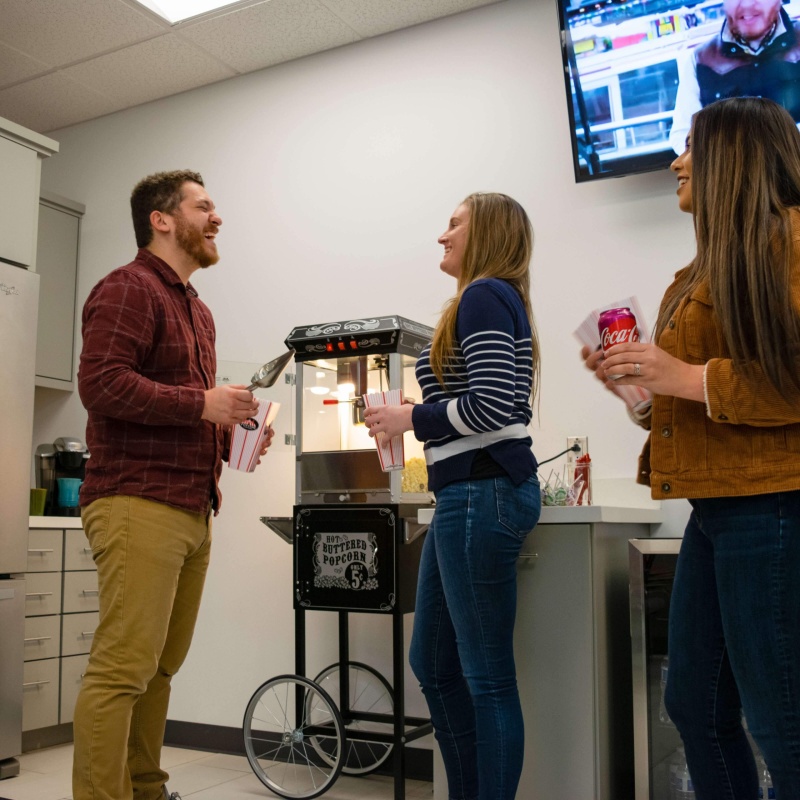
(160, 221)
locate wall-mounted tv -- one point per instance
(636, 71)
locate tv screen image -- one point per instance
(636, 71)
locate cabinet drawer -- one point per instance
(40, 694)
(45, 550)
(42, 638)
(77, 553)
(72, 670)
(77, 631)
(42, 593)
(80, 592)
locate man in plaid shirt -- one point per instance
(157, 431)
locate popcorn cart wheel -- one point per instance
(281, 722)
(370, 693)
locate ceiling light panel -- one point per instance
(175, 11)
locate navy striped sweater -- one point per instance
(486, 404)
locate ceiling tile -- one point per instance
(155, 68)
(53, 101)
(382, 16)
(66, 31)
(270, 33)
(15, 67)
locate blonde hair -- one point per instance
(499, 244)
(745, 180)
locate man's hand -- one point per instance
(228, 405)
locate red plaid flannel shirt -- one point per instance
(148, 356)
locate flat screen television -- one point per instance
(627, 63)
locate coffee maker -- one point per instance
(65, 458)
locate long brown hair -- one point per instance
(499, 245)
(745, 181)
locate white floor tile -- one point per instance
(196, 775)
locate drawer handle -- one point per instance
(529, 556)
(86, 634)
(39, 594)
(34, 683)
(90, 591)
(42, 551)
(87, 549)
(39, 639)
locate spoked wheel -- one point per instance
(282, 719)
(370, 692)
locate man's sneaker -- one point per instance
(168, 796)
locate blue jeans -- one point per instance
(462, 649)
(734, 644)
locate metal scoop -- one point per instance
(268, 374)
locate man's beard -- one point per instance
(192, 242)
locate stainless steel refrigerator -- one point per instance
(19, 307)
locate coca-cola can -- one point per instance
(616, 326)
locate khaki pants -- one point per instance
(151, 565)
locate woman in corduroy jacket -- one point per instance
(725, 433)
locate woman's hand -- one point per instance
(593, 361)
(388, 420)
(647, 365)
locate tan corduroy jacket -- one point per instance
(744, 440)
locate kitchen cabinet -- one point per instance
(573, 654)
(58, 245)
(61, 617)
(21, 152)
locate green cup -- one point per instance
(38, 496)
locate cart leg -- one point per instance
(344, 670)
(398, 663)
(299, 660)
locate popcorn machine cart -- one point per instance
(356, 548)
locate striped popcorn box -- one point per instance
(248, 437)
(390, 451)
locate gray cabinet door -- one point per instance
(57, 264)
(19, 166)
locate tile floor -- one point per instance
(45, 775)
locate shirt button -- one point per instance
(722, 417)
(671, 324)
(665, 487)
(666, 432)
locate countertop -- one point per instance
(54, 522)
(564, 515)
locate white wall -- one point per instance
(334, 176)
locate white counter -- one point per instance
(62, 523)
(566, 515)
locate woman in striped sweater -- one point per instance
(477, 380)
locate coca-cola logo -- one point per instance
(249, 424)
(612, 336)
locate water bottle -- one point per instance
(662, 709)
(684, 789)
(765, 787)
